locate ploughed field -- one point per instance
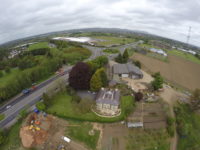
(178, 70)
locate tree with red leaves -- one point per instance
(79, 76)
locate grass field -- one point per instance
(140, 139)
(110, 40)
(38, 45)
(188, 127)
(79, 131)
(63, 107)
(8, 76)
(184, 55)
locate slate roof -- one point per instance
(106, 96)
(126, 69)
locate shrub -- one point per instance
(40, 106)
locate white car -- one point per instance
(7, 107)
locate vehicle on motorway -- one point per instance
(26, 91)
(7, 107)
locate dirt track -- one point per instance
(178, 70)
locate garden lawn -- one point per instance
(184, 55)
(64, 108)
(38, 45)
(80, 131)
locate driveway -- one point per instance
(139, 84)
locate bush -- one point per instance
(137, 63)
(138, 96)
(40, 106)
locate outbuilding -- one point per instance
(127, 71)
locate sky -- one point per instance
(167, 18)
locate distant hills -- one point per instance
(137, 33)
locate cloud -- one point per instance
(167, 18)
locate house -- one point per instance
(108, 101)
(127, 70)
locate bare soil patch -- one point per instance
(178, 70)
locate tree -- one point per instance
(41, 106)
(138, 96)
(158, 81)
(46, 99)
(7, 69)
(98, 80)
(79, 76)
(119, 58)
(138, 64)
(195, 99)
(125, 56)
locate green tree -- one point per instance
(158, 81)
(104, 78)
(125, 56)
(40, 106)
(119, 58)
(96, 82)
(138, 64)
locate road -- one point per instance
(28, 100)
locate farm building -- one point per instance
(127, 70)
(159, 51)
(108, 101)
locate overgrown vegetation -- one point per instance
(83, 132)
(188, 128)
(148, 140)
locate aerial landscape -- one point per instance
(87, 78)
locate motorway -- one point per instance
(21, 102)
(24, 101)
